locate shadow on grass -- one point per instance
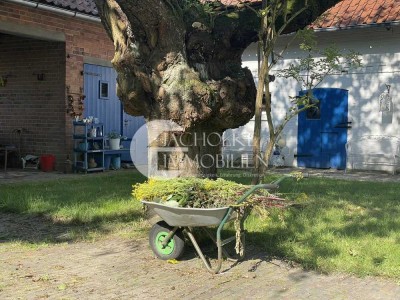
(361, 207)
(64, 210)
(36, 229)
(340, 217)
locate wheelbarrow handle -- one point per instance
(269, 186)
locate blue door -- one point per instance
(101, 97)
(102, 102)
(322, 130)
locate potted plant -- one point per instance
(115, 139)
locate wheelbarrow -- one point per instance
(166, 237)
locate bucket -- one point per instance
(107, 161)
(116, 162)
(47, 162)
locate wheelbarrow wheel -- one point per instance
(175, 247)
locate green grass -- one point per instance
(85, 207)
(347, 226)
(80, 200)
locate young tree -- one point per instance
(275, 18)
(309, 71)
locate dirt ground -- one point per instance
(120, 268)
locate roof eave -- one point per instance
(371, 25)
(56, 9)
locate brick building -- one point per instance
(44, 45)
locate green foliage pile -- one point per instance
(196, 192)
(190, 192)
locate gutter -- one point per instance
(387, 25)
(57, 10)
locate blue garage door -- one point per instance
(322, 131)
(102, 102)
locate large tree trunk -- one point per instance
(203, 155)
(178, 153)
(177, 62)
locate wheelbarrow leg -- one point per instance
(200, 253)
(225, 242)
(218, 242)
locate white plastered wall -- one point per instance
(380, 52)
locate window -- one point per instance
(103, 90)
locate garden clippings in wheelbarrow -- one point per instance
(196, 193)
(201, 193)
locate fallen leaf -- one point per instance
(62, 287)
(172, 261)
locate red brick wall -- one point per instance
(43, 108)
(27, 103)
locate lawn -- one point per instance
(85, 207)
(347, 226)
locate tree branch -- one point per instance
(295, 15)
(280, 55)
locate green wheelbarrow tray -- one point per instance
(165, 236)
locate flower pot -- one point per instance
(114, 144)
(116, 163)
(83, 146)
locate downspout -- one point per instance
(57, 10)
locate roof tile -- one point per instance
(357, 12)
(395, 12)
(345, 13)
(89, 6)
(383, 14)
(83, 6)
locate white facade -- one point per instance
(380, 52)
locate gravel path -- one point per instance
(118, 268)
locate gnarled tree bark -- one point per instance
(181, 60)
